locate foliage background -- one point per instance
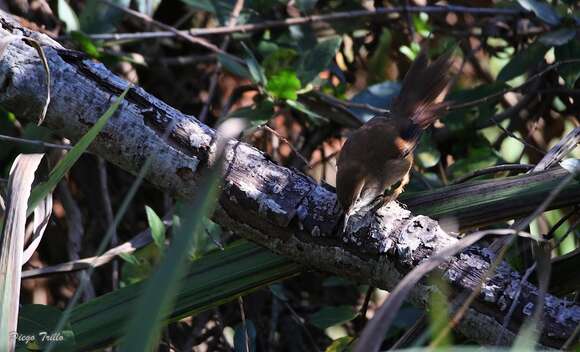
(298, 90)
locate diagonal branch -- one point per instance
(280, 209)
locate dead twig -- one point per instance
(336, 16)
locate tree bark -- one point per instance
(276, 207)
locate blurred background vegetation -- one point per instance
(299, 84)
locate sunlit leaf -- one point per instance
(86, 44)
(157, 227)
(159, 294)
(343, 344)
(284, 85)
(68, 16)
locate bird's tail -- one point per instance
(423, 90)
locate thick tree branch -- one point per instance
(274, 206)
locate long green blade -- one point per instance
(40, 191)
(211, 281)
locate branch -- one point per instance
(274, 206)
(380, 12)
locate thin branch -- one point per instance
(108, 208)
(285, 140)
(348, 104)
(183, 35)
(511, 89)
(214, 78)
(34, 142)
(336, 16)
(493, 170)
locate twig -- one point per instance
(107, 205)
(325, 159)
(348, 104)
(512, 89)
(493, 170)
(560, 222)
(139, 241)
(336, 16)
(214, 78)
(181, 34)
(365, 305)
(527, 274)
(285, 140)
(34, 142)
(75, 235)
(411, 334)
(244, 325)
(512, 135)
(572, 339)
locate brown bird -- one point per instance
(374, 163)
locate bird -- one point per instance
(375, 161)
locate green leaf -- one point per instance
(279, 60)
(215, 279)
(343, 344)
(477, 159)
(234, 67)
(259, 113)
(130, 258)
(330, 316)
(284, 85)
(541, 9)
(140, 264)
(421, 24)
(86, 44)
(318, 59)
(155, 303)
(557, 38)
(68, 16)
(157, 228)
(523, 61)
(411, 51)
(35, 325)
(256, 71)
(304, 109)
(570, 72)
(40, 191)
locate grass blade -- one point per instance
(40, 191)
(161, 288)
(212, 280)
(12, 244)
